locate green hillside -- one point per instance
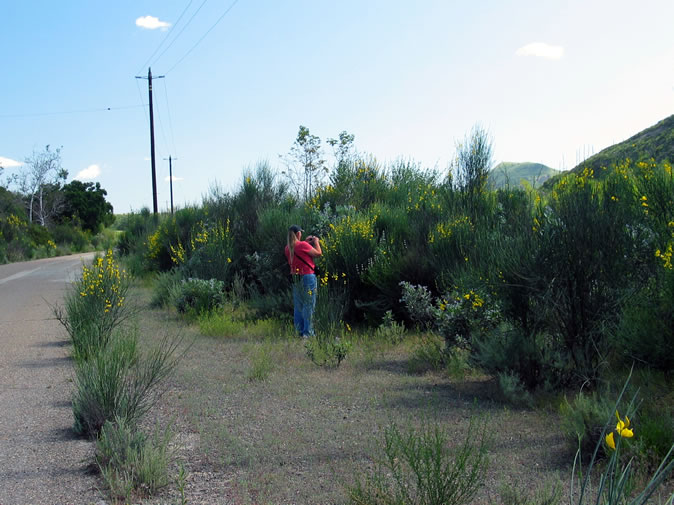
(655, 142)
(512, 174)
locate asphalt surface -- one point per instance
(41, 461)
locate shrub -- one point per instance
(119, 383)
(428, 354)
(95, 305)
(325, 350)
(583, 420)
(164, 286)
(513, 390)
(197, 296)
(130, 461)
(390, 330)
(535, 359)
(212, 248)
(418, 468)
(458, 316)
(645, 333)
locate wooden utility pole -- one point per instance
(154, 172)
(171, 180)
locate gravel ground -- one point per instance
(41, 462)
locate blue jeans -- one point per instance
(304, 300)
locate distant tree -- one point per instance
(473, 162)
(40, 182)
(85, 202)
(306, 168)
(343, 147)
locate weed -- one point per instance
(130, 462)
(327, 351)
(418, 468)
(261, 362)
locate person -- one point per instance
(300, 255)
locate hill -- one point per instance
(512, 174)
(655, 142)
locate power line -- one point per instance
(166, 37)
(179, 33)
(75, 111)
(202, 37)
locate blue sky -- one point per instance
(409, 79)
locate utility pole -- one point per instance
(170, 180)
(154, 172)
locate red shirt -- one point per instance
(298, 266)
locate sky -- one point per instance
(550, 80)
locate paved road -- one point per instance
(41, 462)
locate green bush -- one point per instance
(326, 350)
(197, 296)
(390, 330)
(118, 382)
(164, 286)
(536, 360)
(131, 462)
(584, 419)
(645, 334)
(418, 468)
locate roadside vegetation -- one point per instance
(463, 334)
(42, 216)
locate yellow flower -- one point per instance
(623, 427)
(610, 441)
(229, 260)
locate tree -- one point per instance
(342, 147)
(40, 181)
(85, 201)
(306, 152)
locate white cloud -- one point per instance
(8, 162)
(541, 50)
(89, 173)
(151, 23)
(175, 179)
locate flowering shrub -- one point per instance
(457, 316)
(95, 305)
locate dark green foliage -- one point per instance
(197, 296)
(573, 276)
(85, 202)
(645, 334)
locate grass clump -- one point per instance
(261, 362)
(419, 468)
(119, 382)
(327, 351)
(132, 462)
(514, 494)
